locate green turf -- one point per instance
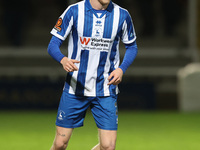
(34, 130)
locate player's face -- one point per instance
(104, 2)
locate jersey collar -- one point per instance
(89, 7)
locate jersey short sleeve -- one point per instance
(64, 24)
(128, 31)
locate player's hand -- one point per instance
(115, 76)
(68, 64)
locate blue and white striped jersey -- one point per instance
(94, 41)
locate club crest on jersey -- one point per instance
(58, 25)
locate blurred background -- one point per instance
(168, 38)
(163, 81)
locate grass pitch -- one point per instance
(35, 130)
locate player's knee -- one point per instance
(60, 145)
(108, 146)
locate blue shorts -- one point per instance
(72, 110)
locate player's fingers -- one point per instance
(75, 61)
(74, 67)
(112, 81)
(71, 67)
(67, 69)
(110, 76)
(117, 81)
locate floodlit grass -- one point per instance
(34, 130)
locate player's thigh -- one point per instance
(107, 138)
(63, 135)
(72, 110)
(105, 112)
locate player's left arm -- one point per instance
(128, 37)
(116, 75)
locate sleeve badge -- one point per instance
(58, 25)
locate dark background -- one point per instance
(31, 79)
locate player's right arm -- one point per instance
(60, 32)
(54, 51)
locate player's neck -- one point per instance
(97, 5)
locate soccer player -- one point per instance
(95, 28)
